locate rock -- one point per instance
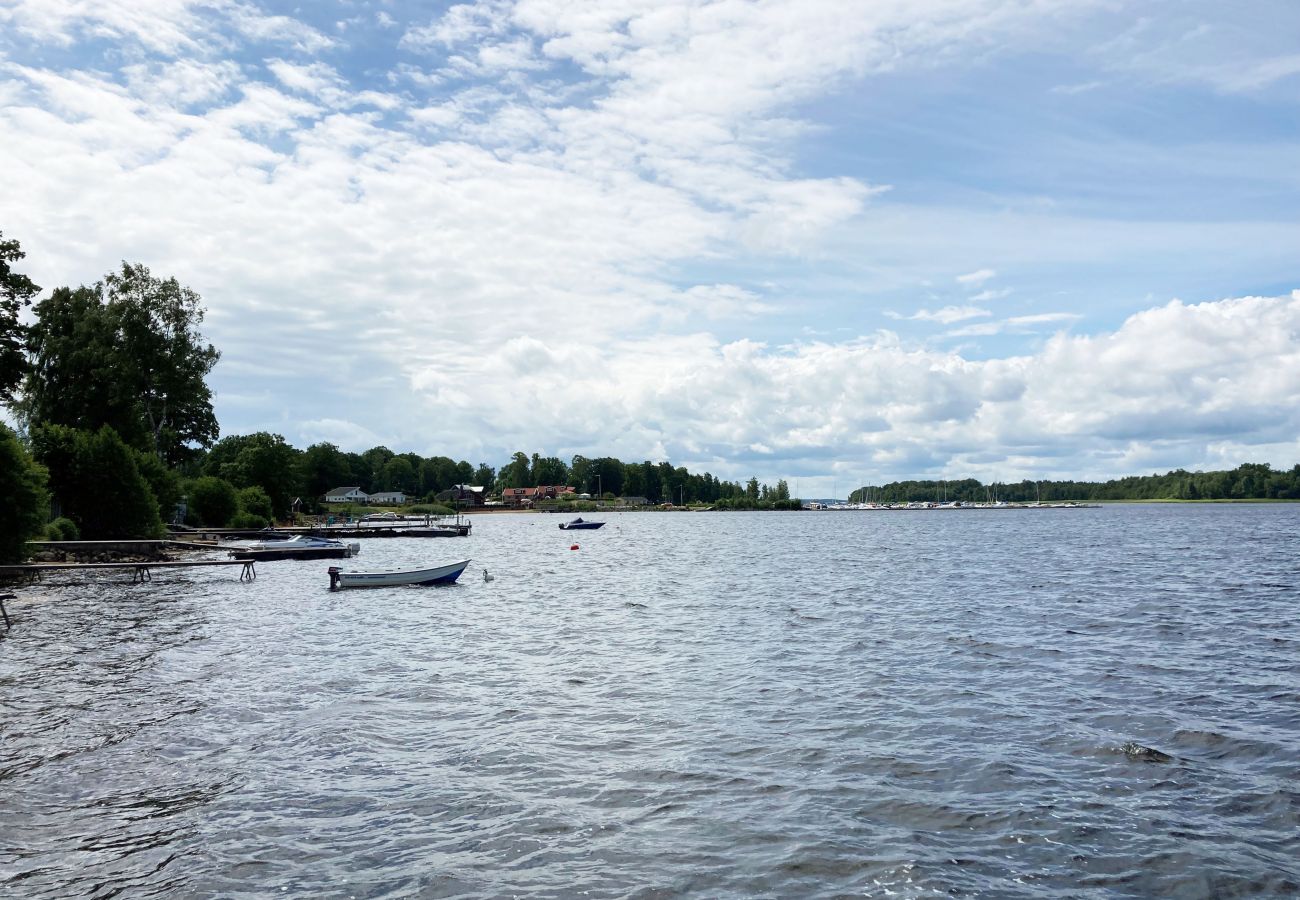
(1135, 750)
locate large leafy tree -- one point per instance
(125, 353)
(212, 501)
(517, 473)
(25, 505)
(263, 460)
(324, 467)
(16, 291)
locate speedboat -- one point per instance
(579, 523)
(300, 546)
(446, 574)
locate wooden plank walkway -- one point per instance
(140, 571)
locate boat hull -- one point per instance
(580, 526)
(266, 554)
(401, 578)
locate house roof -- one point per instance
(340, 491)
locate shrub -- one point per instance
(62, 529)
(430, 509)
(248, 521)
(253, 501)
(212, 501)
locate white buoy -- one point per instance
(486, 576)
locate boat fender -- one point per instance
(574, 547)
(334, 578)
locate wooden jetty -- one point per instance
(414, 529)
(140, 571)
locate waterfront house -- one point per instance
(347, 495)
(527, 496)
(465, 495)
(387, 498)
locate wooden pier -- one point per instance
(140, 571)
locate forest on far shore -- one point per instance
(1249, 481)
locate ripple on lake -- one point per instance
(710, 704)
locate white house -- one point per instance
(387, 498)
(347, 495)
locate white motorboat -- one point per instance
(300, 546)
(445, 574)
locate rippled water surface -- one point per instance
(815, 704)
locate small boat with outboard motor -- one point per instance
(444, 574)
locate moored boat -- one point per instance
(580, 523)
(300, 546)
(445, 574)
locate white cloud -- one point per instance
(945, 316)
(314, 78)
(975, 279)
(565, 254)
(1189, 377)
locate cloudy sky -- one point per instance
(835, 241)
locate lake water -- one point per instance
(691, 704)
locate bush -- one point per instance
(430, 509)
(248, 521)
(253, 501)
(62, 529)
(212, 501)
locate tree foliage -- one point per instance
(97, 483)
(16, 291)
(1249, 481)
(263, 460)
(24, 503)
(212, 501)
(125, 352)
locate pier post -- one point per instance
(3, 612)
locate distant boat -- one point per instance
(580, 523)
(300, 546)
(397, 578)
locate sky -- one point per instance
(833, 242)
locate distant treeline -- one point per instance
(1249, 481)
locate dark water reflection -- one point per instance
(905, 704)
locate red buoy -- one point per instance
(574, 547)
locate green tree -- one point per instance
(376, 458)
(484, 476)
(324, 467)
(164, 482)
(782, 491)
(25, 504)
(16, 291)
(516, 473)
(96, 482)
(549, 470)
(254, 502)
(212, 501)
(264, 460)
(399, 475)
(125, 353)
